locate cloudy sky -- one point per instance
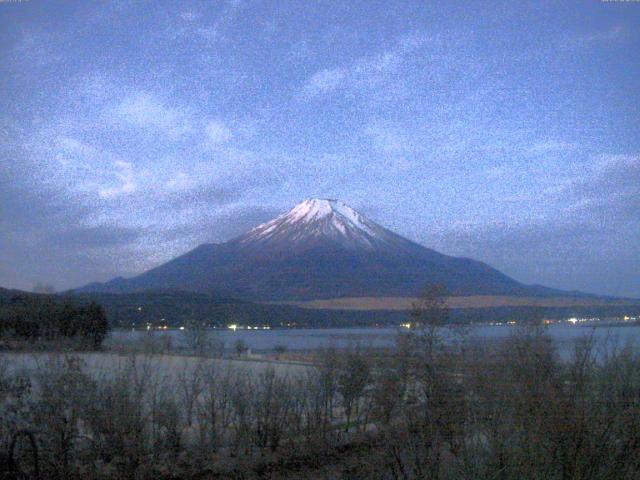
(132, 131)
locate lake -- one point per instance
(565, 335)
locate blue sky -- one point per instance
(131, 132)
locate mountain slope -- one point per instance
(320, 249)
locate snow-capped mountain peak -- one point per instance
(316, 209)
(316, 220)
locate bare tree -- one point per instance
(198, 338)
(270, 409)
(353, 379)
(429, 313)
(190, 383)
(214, 411)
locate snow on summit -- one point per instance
(316, 209)
(316, 220)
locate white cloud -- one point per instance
(189, 15)
(71, 150)
(124, 174)
(196, 23)
(325, 81)
(606, 191)
(145, 111)
(180, 182)
(217, 132)
(365, 71)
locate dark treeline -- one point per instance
(176, 308)
(45, 317)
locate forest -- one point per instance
(46, 318)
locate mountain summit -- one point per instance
(317, 221)
(320, 249)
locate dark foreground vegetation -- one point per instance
(44, 319)
(425, 409)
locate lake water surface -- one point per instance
(564, 335)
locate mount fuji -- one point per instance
(320, 249)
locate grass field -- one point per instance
(167, 366)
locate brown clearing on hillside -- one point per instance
(474, 301)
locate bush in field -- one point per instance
(279, 350)
(240, 347)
